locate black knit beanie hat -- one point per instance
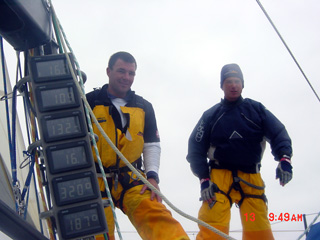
(231, 70)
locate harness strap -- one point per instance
(227, 195)
(251, 185)
(124, 179)
(236, 186)
(121, 175)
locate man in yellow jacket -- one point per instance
(129, 121)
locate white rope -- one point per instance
(81, 91)
(143, 179)
(132, 168)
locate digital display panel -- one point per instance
(68, 156)
(50, 67)
(62, 126)
(61, 96)
(82, 221)
(75, 188)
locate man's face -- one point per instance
(121, 77)
(232, 87)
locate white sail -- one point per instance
(7, 195)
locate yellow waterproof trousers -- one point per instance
(152, 219)
(253, 211)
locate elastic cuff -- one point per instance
(203, 180)
(285, 159)
(154, 175)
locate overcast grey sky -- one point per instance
(180, 47)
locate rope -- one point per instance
(10, 140)
(12, 137)
(59, 31)
(308, 228)
(294, 59)
(145, 181)
(5, 93)
(27, 105)
(132, 168)
(28, 179)
(34, 137)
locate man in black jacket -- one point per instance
(232, 135)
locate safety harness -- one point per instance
(123, 175)
(236, 186)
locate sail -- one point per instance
(7, 195)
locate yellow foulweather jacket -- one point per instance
(151, 218)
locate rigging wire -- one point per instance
(308, 228)
(21, 203)
(34, 137)
(132, 168)
(62, 46)
(294, 59)
(304, 75)
(28, 123)
(11, 134)
(6, 94)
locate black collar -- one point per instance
(104, 92)
(228, 103)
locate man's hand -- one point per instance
(284, 171)
(208, 190)
(153, 194)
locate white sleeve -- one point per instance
(151, 156)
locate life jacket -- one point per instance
(129, 140)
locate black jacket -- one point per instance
(236, 133)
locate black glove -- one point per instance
(208, 190)
(284, 171)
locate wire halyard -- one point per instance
(291, 54)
